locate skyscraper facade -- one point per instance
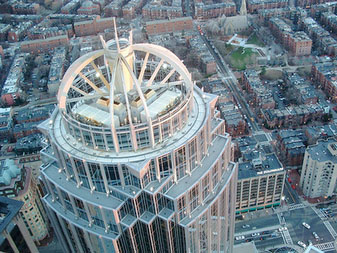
(136, 158)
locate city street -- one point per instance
(291, 217)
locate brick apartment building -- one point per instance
(214, 10)
(293, 116)
(155, 11)
(262, 97)
(324, 74)
(309, 3)
(298, 43)
(169, 26)
(131, 8)
(89, 8)
(291, 144)
(37, 46)
(92, 27)
(254, 5)
(25, 8)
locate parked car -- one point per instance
(240, 237)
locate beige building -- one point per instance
(319, 173)
(16, 182)
(260, 184)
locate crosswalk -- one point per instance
(287, 237)
(330, 229)
(325, 246)
(295, 206)
(319, 213)
(326, 222)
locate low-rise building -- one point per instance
(42, 45)
(11, 91)
(162, 10)
(28, 144)
(324, 74)
(234, 121)
(56, 70)
(214, 10)
(89, 8)
(291, 145)
(169, 26)
(298, 43)
(92, 27)
(6, 123)
(70, 7)
(294, 116)
(320, 37)
(319, 173)
(16, 182)
(262, 97)
(254, 5)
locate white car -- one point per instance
(302, 244)
(306, 225)
(255, 234)
(282, 229)
(240, 237)
(315, 235)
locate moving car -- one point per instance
(306, 225)
(315, 235)
(302, 244)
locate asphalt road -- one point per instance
(293, 221)
(232, 84)
(298, 232)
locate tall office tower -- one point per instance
(136, 158)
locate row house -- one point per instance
(114, 9)
(309, 3)
(25, 8)
(292, 13)
(262, 97)
(154, 11)
(330, 20)
(317, 10)
(234, 122)
(17, 33)
(320, 37)
(214, 10)
(35, 115)
(11, 91)
(131, 9)
(293, 116)
(70, 7)
(92, 27)
(42, 45)
(291, 144)
(298, 43)
(254, 5)
(89, 8)
(324, 74)
(169, 26)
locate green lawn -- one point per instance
(255, 40)
(241, 57)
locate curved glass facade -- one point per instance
(162, 181)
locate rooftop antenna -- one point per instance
(116, 35)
